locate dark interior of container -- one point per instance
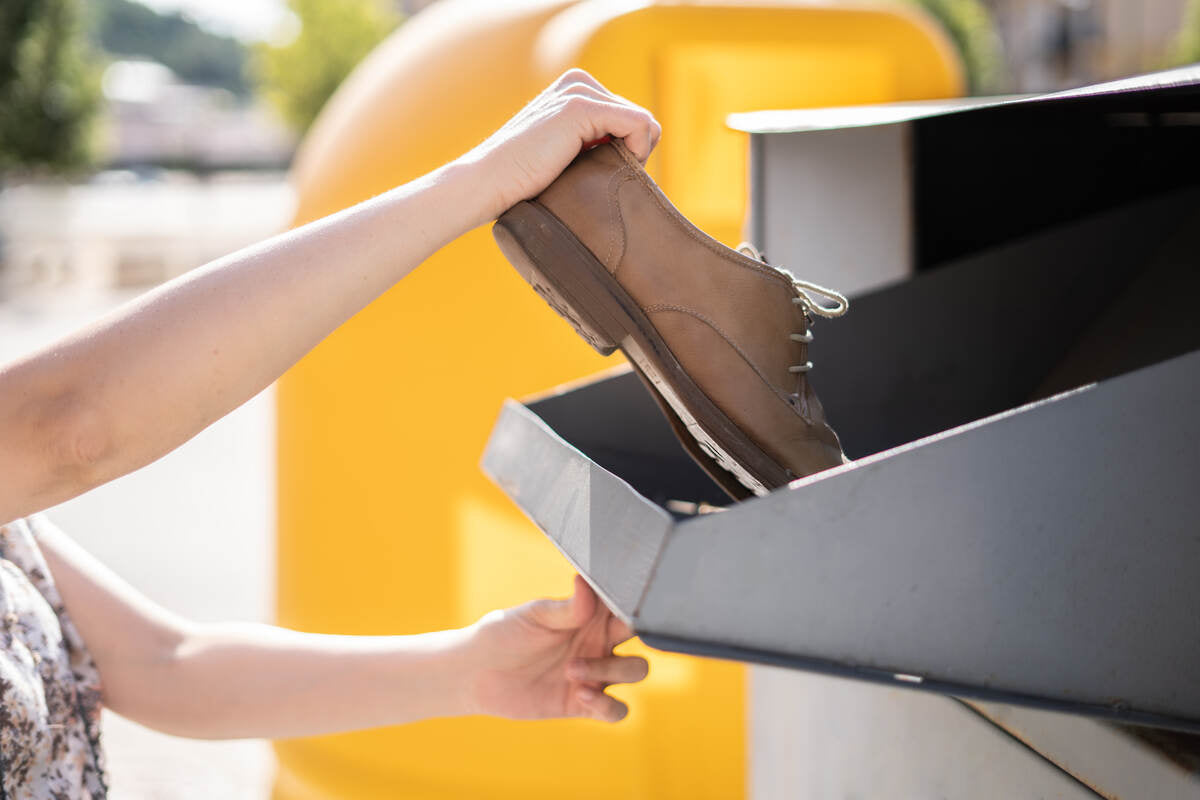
(617, 424)
(1077, 303)
(987, 176)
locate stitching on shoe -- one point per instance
(728, 340)
(612, 258)
(688, 228)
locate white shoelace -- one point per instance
(805, 299)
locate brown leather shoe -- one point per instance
(720, 335)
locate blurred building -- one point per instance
(1055, 44)
(152, 118)
(190, 173)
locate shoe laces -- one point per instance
(807, 293)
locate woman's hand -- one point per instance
(551, 658)
(531, 149)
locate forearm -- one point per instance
(157, 371)
(230, 680)
(243, 680)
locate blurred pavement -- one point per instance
(193, 531)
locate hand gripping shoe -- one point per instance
(720, 335)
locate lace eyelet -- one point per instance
(805, 291)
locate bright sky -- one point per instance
(246, 19)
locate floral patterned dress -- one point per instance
(49, 686)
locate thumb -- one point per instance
(567, 613)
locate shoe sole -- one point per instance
(722, 477)
(577, 286)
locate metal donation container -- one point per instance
(386, 524)
(1016, 537)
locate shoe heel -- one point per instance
(528, 235)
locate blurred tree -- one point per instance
(300, 76)
(1186, 48)
(126, 28)
(970, 27)
(48, 92)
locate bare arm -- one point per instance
(139, 383)
(550, 658)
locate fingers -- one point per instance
(615, 630)
(574, 79)
(608, 669)
(637, 127)
(618, 631)
(593, 674)
(597, 705)
(609, 113)
(568, 613)
(584, 602)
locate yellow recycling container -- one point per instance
(386, 524)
